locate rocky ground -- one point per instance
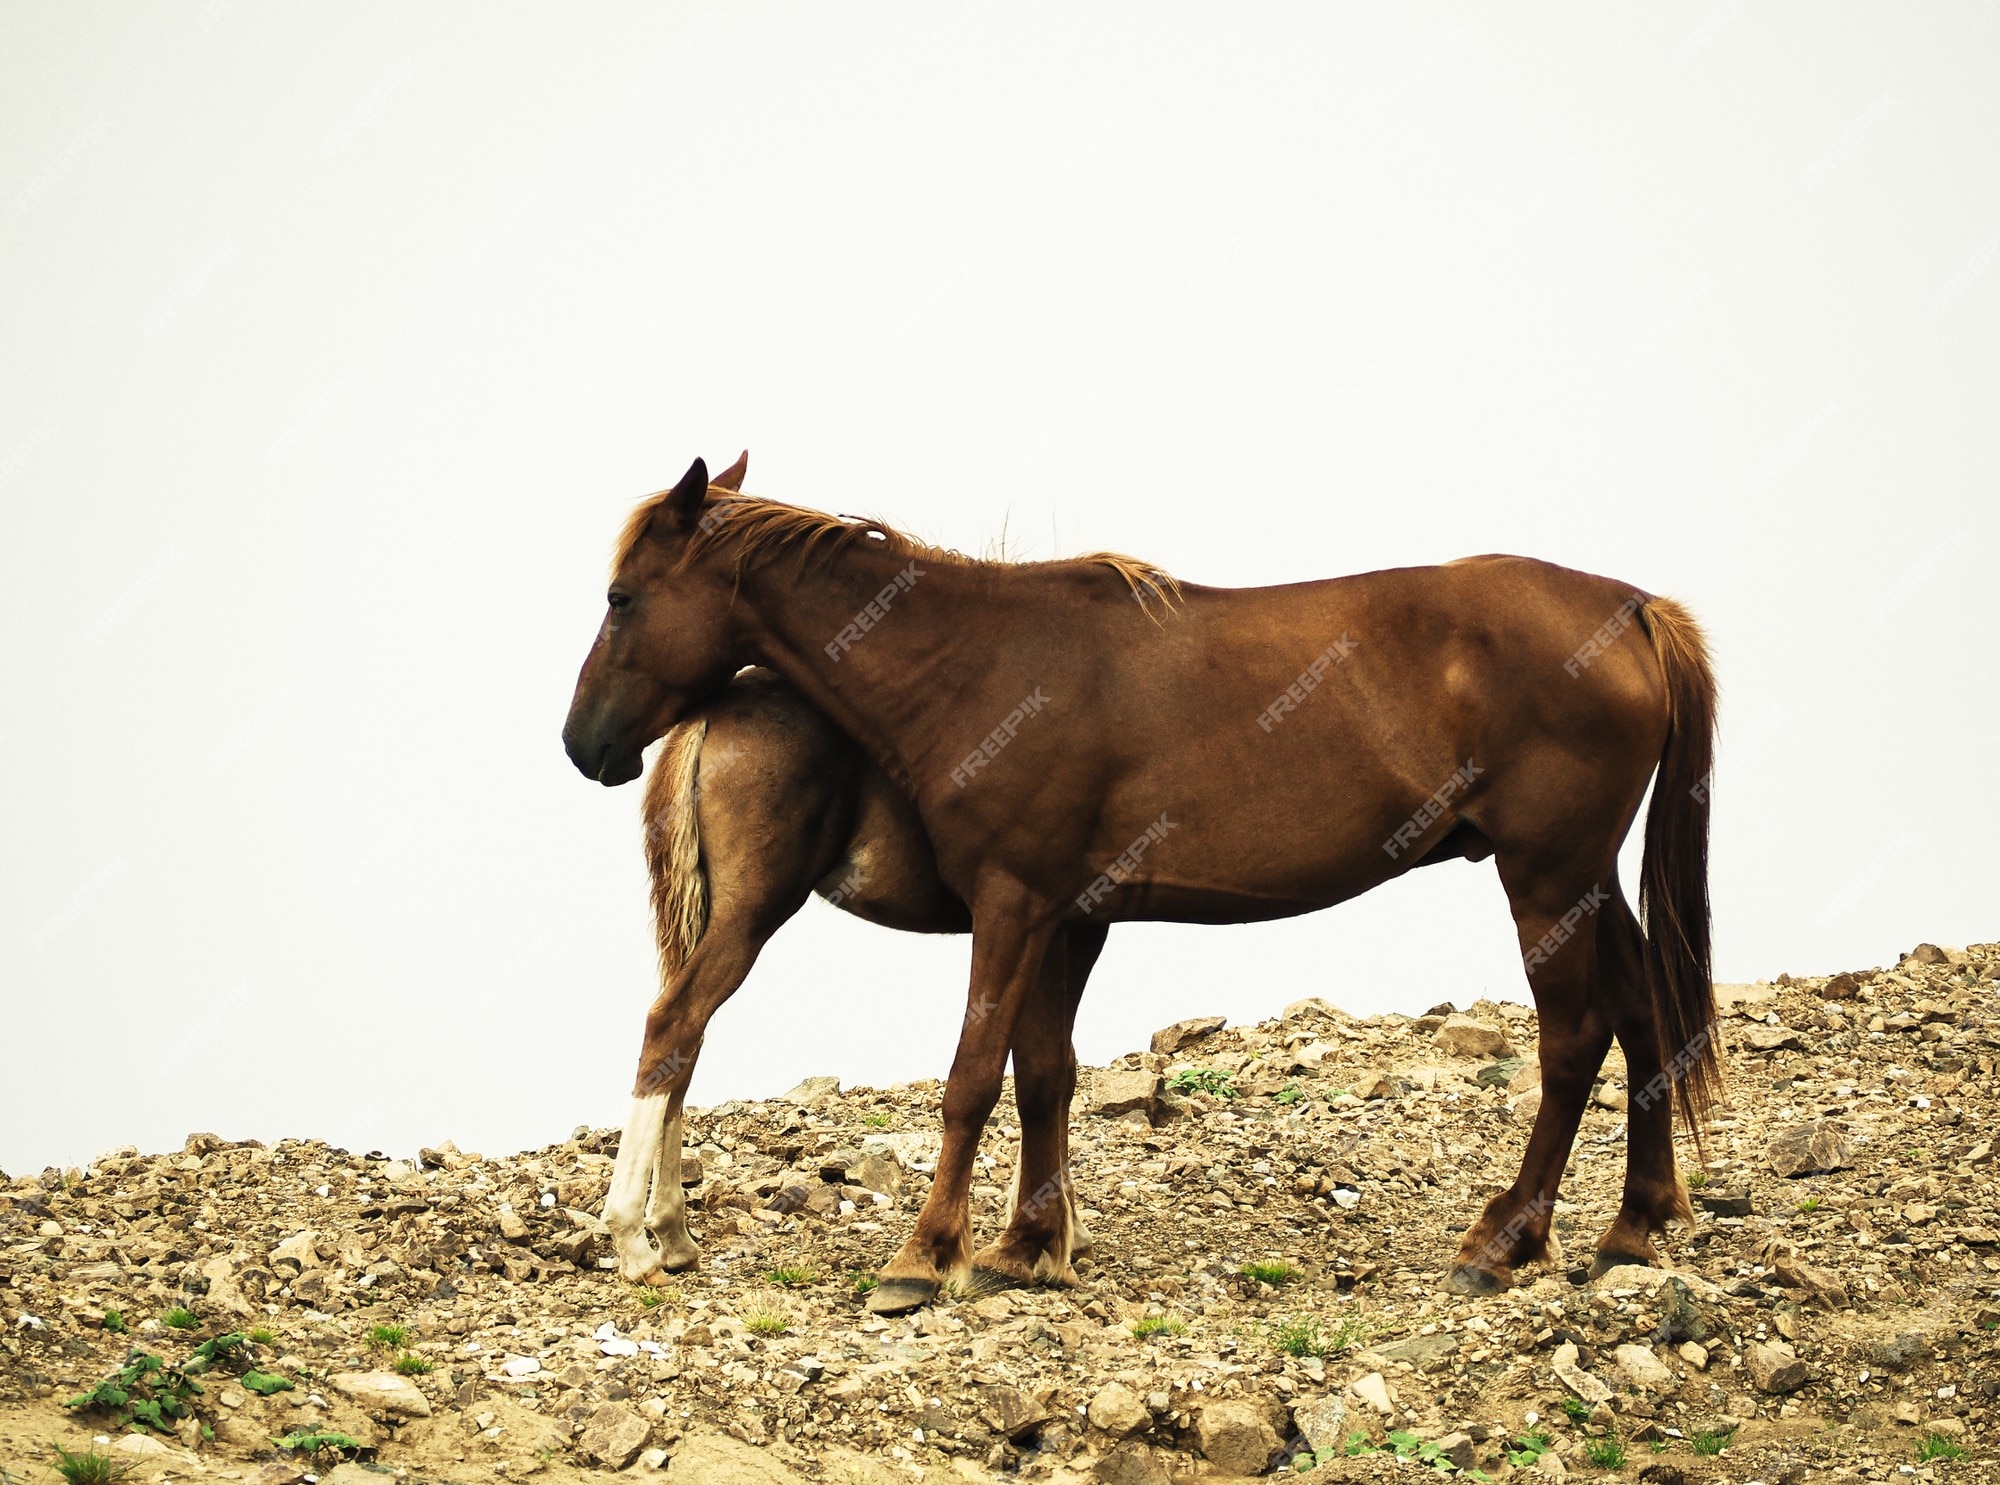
(1833, 1314)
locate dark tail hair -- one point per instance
(1673, 887)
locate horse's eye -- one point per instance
(618, 600)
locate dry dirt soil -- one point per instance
(1832, 1314)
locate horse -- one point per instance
(1223, 755)
(754, 803)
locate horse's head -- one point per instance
(664, 643)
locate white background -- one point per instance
(338, 344)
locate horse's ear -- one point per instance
(732, 477)
(682, 507)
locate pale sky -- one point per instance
(339, 341)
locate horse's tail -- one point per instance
(673, 847)
(1673, 890)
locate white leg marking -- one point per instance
(625, 1204)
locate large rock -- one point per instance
(1587, 1387)
(1235, 1437)
(613, 1436)
(382, 1394)
(1170, 1039)
(1131, 1463)
(1374, 1391)
(1644, 1368)
(1118, 1410)
(1769, 1038)
(1010, 1411)
(1116, 1091)
(1822, 1285)
(1324, 1422)
(813, 1092)
(1467, 1036)
(224, 1293)
(1774, 1368)
(1807, 1149)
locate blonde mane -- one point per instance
(772, 526)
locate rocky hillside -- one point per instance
(1274, 1207)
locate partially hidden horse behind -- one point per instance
(1219, 755)
(754, 803)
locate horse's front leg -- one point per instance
(1009, 944)
(1043, 1231)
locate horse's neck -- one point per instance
(867, 639)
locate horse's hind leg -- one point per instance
(1654, 1194)
(1554, 912)
(649, 1154)
(1040, 1239)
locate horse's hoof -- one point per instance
(1605, 1261)
(1467, 1279)
(897, 1296)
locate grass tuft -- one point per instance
(1706, 1442)
(412, 1365)
(1606, 1453)
(1304, 1336)
(91, 1467)
(1810, 1204)
(864, 1283)
(1153, 1325)
(181, 1319)
(1576, 1409)
(391, 1336)
(263, 1335)
(793, 1275)
(765, 1323)
(1937, 1446)
(649, 1297)
(1273, 1271)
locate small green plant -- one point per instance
(649, 1297)
(1606, 1453)
(1304, 1336)
(316, 1444)
(765, 1323)
(217, 1348)
(89, 1467)
(1576, 1409)
(792, 1275)
(863, 1282)
(391, 1336)
(1153, 1325)
(1810, 1204)
(875, 1121)
(1697, 1179)
(1288, 1095)
(264, 1384)
(115, 1322)
(1528, 1448)
(1937, 1446)
(181, 1319)
(263, 1335)
(1274, 1271)
(1357, 1444)
(1202, 1080)
(412, 1365)
(145, 1391)
(1706, 1442)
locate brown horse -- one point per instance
(755, 802)
(1079, 758)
